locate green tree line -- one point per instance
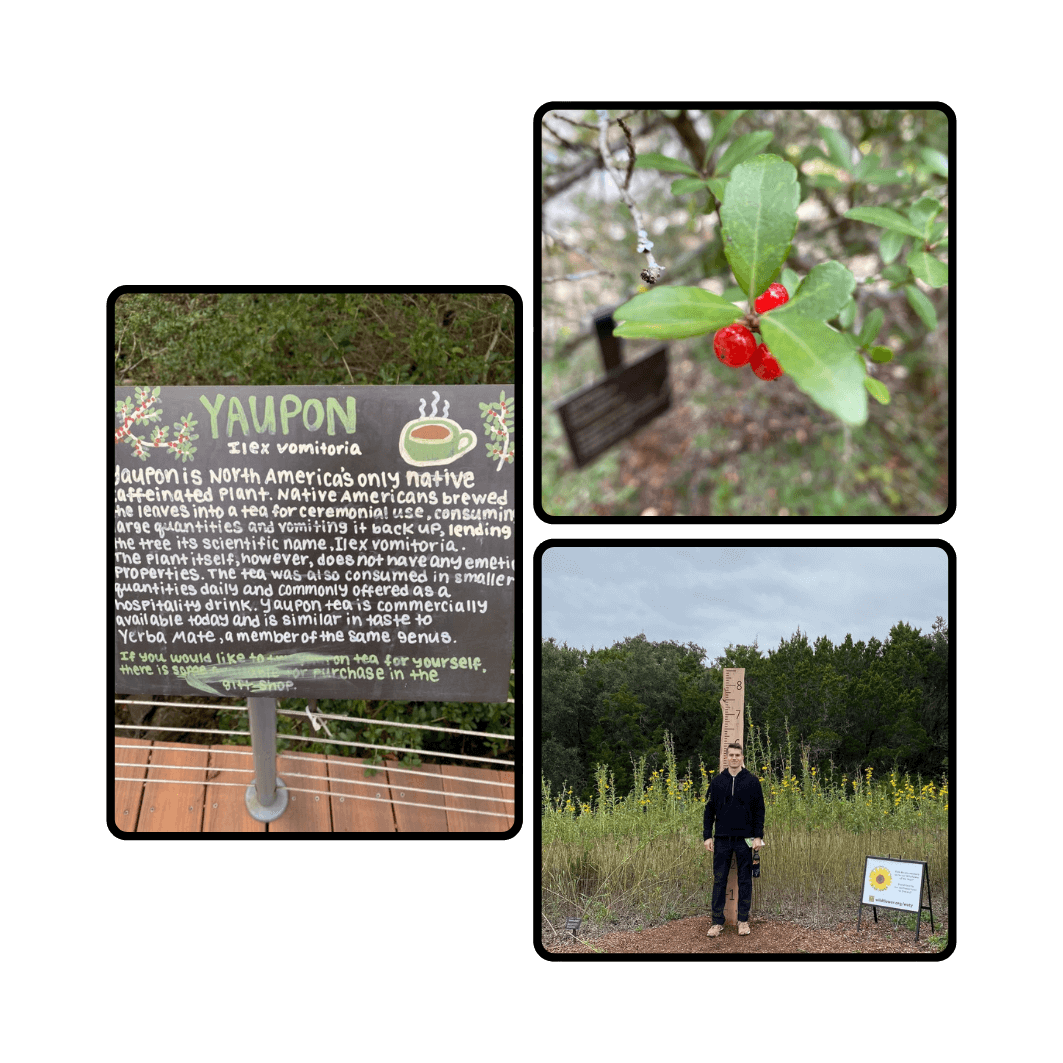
(880, 703)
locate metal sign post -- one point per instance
(267, 797)
(733, 705)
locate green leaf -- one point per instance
(884, 176)
(877, 390)
(927, 268)
(936, 231)
(922, 212)
(719, 187)
(744, 147)
(884, 218)
(759, 220)
(719, 131)
(890, 244)
(823, 294)
(820, 361)
(895, 273)
(682, 185)
(935, 161)
(870, 328)
(734, 295)
(672, 313)
(790, 281)
(847, 315)
(654, 160)
(922, 306)
(881, 354)
(839, 149)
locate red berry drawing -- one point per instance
(775, 296)
(765, 364)
(734, 345)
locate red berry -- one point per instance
(764, 363)
(775, 296)
(734, 345)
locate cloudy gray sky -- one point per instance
(593, 596)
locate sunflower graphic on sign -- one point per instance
(879, 878)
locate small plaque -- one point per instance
(572, 923)
(611, 409)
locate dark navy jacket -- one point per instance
(735, 805)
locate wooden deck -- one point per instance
(173, 787)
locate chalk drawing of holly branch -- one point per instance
(143, 410)
(498, 422)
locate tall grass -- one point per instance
(638, 858)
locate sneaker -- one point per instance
(715, 930)
(743, 928)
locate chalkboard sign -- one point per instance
(344, 542)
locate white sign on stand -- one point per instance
(898, 884)
(893, 883)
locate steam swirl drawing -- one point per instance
(430, 439)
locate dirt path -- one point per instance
(687, 936)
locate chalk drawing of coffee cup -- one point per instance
(434, 441)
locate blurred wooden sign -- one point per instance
(611, 409)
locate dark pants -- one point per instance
(722, 847)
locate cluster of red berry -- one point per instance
(735, 345)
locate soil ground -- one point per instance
(768, 934)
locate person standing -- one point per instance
(735, 808)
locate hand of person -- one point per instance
(708, 845)
(758, 843)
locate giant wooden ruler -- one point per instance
(733, 730)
